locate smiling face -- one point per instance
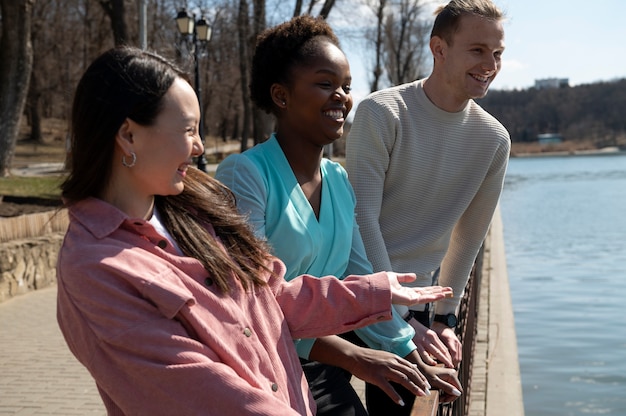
(471, 60)
(165, 148)
(317, 99)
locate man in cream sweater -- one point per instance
(427, 165)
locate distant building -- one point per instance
(551, 83)
(549, 138)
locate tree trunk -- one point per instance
(378, 42)
(297, 10)
(16, 60)
(311, 5)
(32, 109)
(243, 29)
(115, 10)
(326, 8)
(259, 126)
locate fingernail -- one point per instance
(427, 391)
(401, 402)
(428, 386)
(456, 392)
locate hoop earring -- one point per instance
(132, 163)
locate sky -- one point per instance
(582, 40)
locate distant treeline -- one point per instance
(593, 112)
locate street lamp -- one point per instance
(200, 33)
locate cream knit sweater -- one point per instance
(427, 183)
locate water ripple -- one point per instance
(565, 239)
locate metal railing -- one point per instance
(466, 331)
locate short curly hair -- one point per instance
(282, 47)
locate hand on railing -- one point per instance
(430, 347)
(453, 345)
(439, 377)
(382, 368)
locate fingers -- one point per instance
(434, 355)
(447, 381)
(426, 357)
(405, 277)
(408, 376)
(433, 293)
(455, 349)
(401, 295)
(439, 351)
(381, 368)
(412, 296)
(452, 343)
(444, 379)
(430, 346)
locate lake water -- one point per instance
(565, 239)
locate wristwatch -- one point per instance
(449, 320)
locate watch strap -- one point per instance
(450, 320)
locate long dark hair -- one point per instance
(127, 82)
(122, 82)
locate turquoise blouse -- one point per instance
(268, 192)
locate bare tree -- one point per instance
(406, 41)
(326, 8)
(376, 36)
(32, 109)
(71, 33)
(33, 99)
(297, 10)
(16, 59)
(116, 12)
(399, 41)
(243, 26)
(260, 121)
(324, 11)
(312, 4)
(222, 76)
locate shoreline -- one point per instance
(605, 151)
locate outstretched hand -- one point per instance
(408, 296)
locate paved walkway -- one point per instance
(38, 374)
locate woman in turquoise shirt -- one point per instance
(304, 205)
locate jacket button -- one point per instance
(208, 281)
(247, 332)
(162, 244)
(274, 387)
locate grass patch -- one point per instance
(36, 186)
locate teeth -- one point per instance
(336, 114)
(481, 79)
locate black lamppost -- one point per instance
(200, 33)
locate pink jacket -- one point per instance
(160, 339)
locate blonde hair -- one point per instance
(449, 16)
